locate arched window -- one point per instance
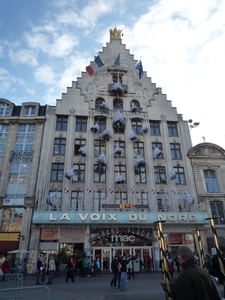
(98, 101)
(117, 104)
(135, 106)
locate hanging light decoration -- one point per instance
(156, 152)
(95, 128)
(132, 136)
(189, 199)
(107, 135)
(118, 121)
(119, 179)
(104, 107)
(134, 107)
(101, 160)
(117, 150)
(144, 129)
(172, 175)
(82, 151)
(69, 174)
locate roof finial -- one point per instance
(115, 33)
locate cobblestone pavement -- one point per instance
(144, 286)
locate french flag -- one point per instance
(66, 190)
(89, 190)
(132, 191)
(110, 191)
(94, 66)
(153, 191)
(173, 192)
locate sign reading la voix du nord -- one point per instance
(90, 217)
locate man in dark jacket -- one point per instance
(114, 268)
(194, 283)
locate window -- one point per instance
(78, 144)
(59, 146)
(172, 129)
(211, 181)
(3, 136)
(117, 104)
(101, 123)
(12, 219)
(4, 109)
(155, 128)
(136, 126)
(79, 172)
(217, 211)
(98, 102)
(180, 177)
(18, 180)
(77, 200)
(29, 111)
(160, 174)
(81, 124)
(61, 123)
(55, 199)
(25, 137)
(99, 147)
(163, 203)
(99, 173)
(155, 151)
(175, 151)
(142, 197)
(99, 199)
(115, 78)
(57, 171)
(135, 106)
(121, 146)
(120, 169)
(138, 149)
(140, 175)
(121, 197)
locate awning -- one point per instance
(6, 246)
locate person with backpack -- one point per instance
(114, 268)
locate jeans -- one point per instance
(50, 276)
(123, 281)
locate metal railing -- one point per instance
(25, 293)
(9, 281)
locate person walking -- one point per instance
(69, 268)
(149, 263)
(114, 268)
(177, 263)
(44, 270)
(98, 267)
(123, 281)
(39, 269)
(170, 267)
(130, 269)
(51, 269)
(194, 283)
(5, 268)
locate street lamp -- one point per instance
(193, 124)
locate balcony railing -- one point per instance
(21, 155)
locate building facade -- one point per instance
(208, 163)
(21, 131)
(113, 163)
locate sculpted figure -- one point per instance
(115, 33)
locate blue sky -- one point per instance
(46, 44)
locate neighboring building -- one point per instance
(208, 163)
(21, 130)
(119, 140)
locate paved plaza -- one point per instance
(145, 286)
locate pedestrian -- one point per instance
(194, 283)
(74, 260)
(177, 263)
(69, 268)
(216, 272)
(130, 269)
(39, 269)
(98, 267)
(149, 263)
(123, 281)
(79, 267)
(114, 268)
(119, 271)
(170, 267)
(44, 270)
(85, 267)
(5, 268)
(51, 269)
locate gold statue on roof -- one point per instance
(115, 33)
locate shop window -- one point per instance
(160, 174)
(59, 146)
(217, 210)
(172, 128)
(61, 123)
(81, 124)
(211, 181)
(12, 219)
(155, 128)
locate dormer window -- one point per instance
(4, 109)
(29, 111)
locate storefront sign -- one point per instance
(117, 217)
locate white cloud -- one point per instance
(23, 56)
(45, 75)
(7, 81)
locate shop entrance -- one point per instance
(106, 254)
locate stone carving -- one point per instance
(115, 33)
(206, 151)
